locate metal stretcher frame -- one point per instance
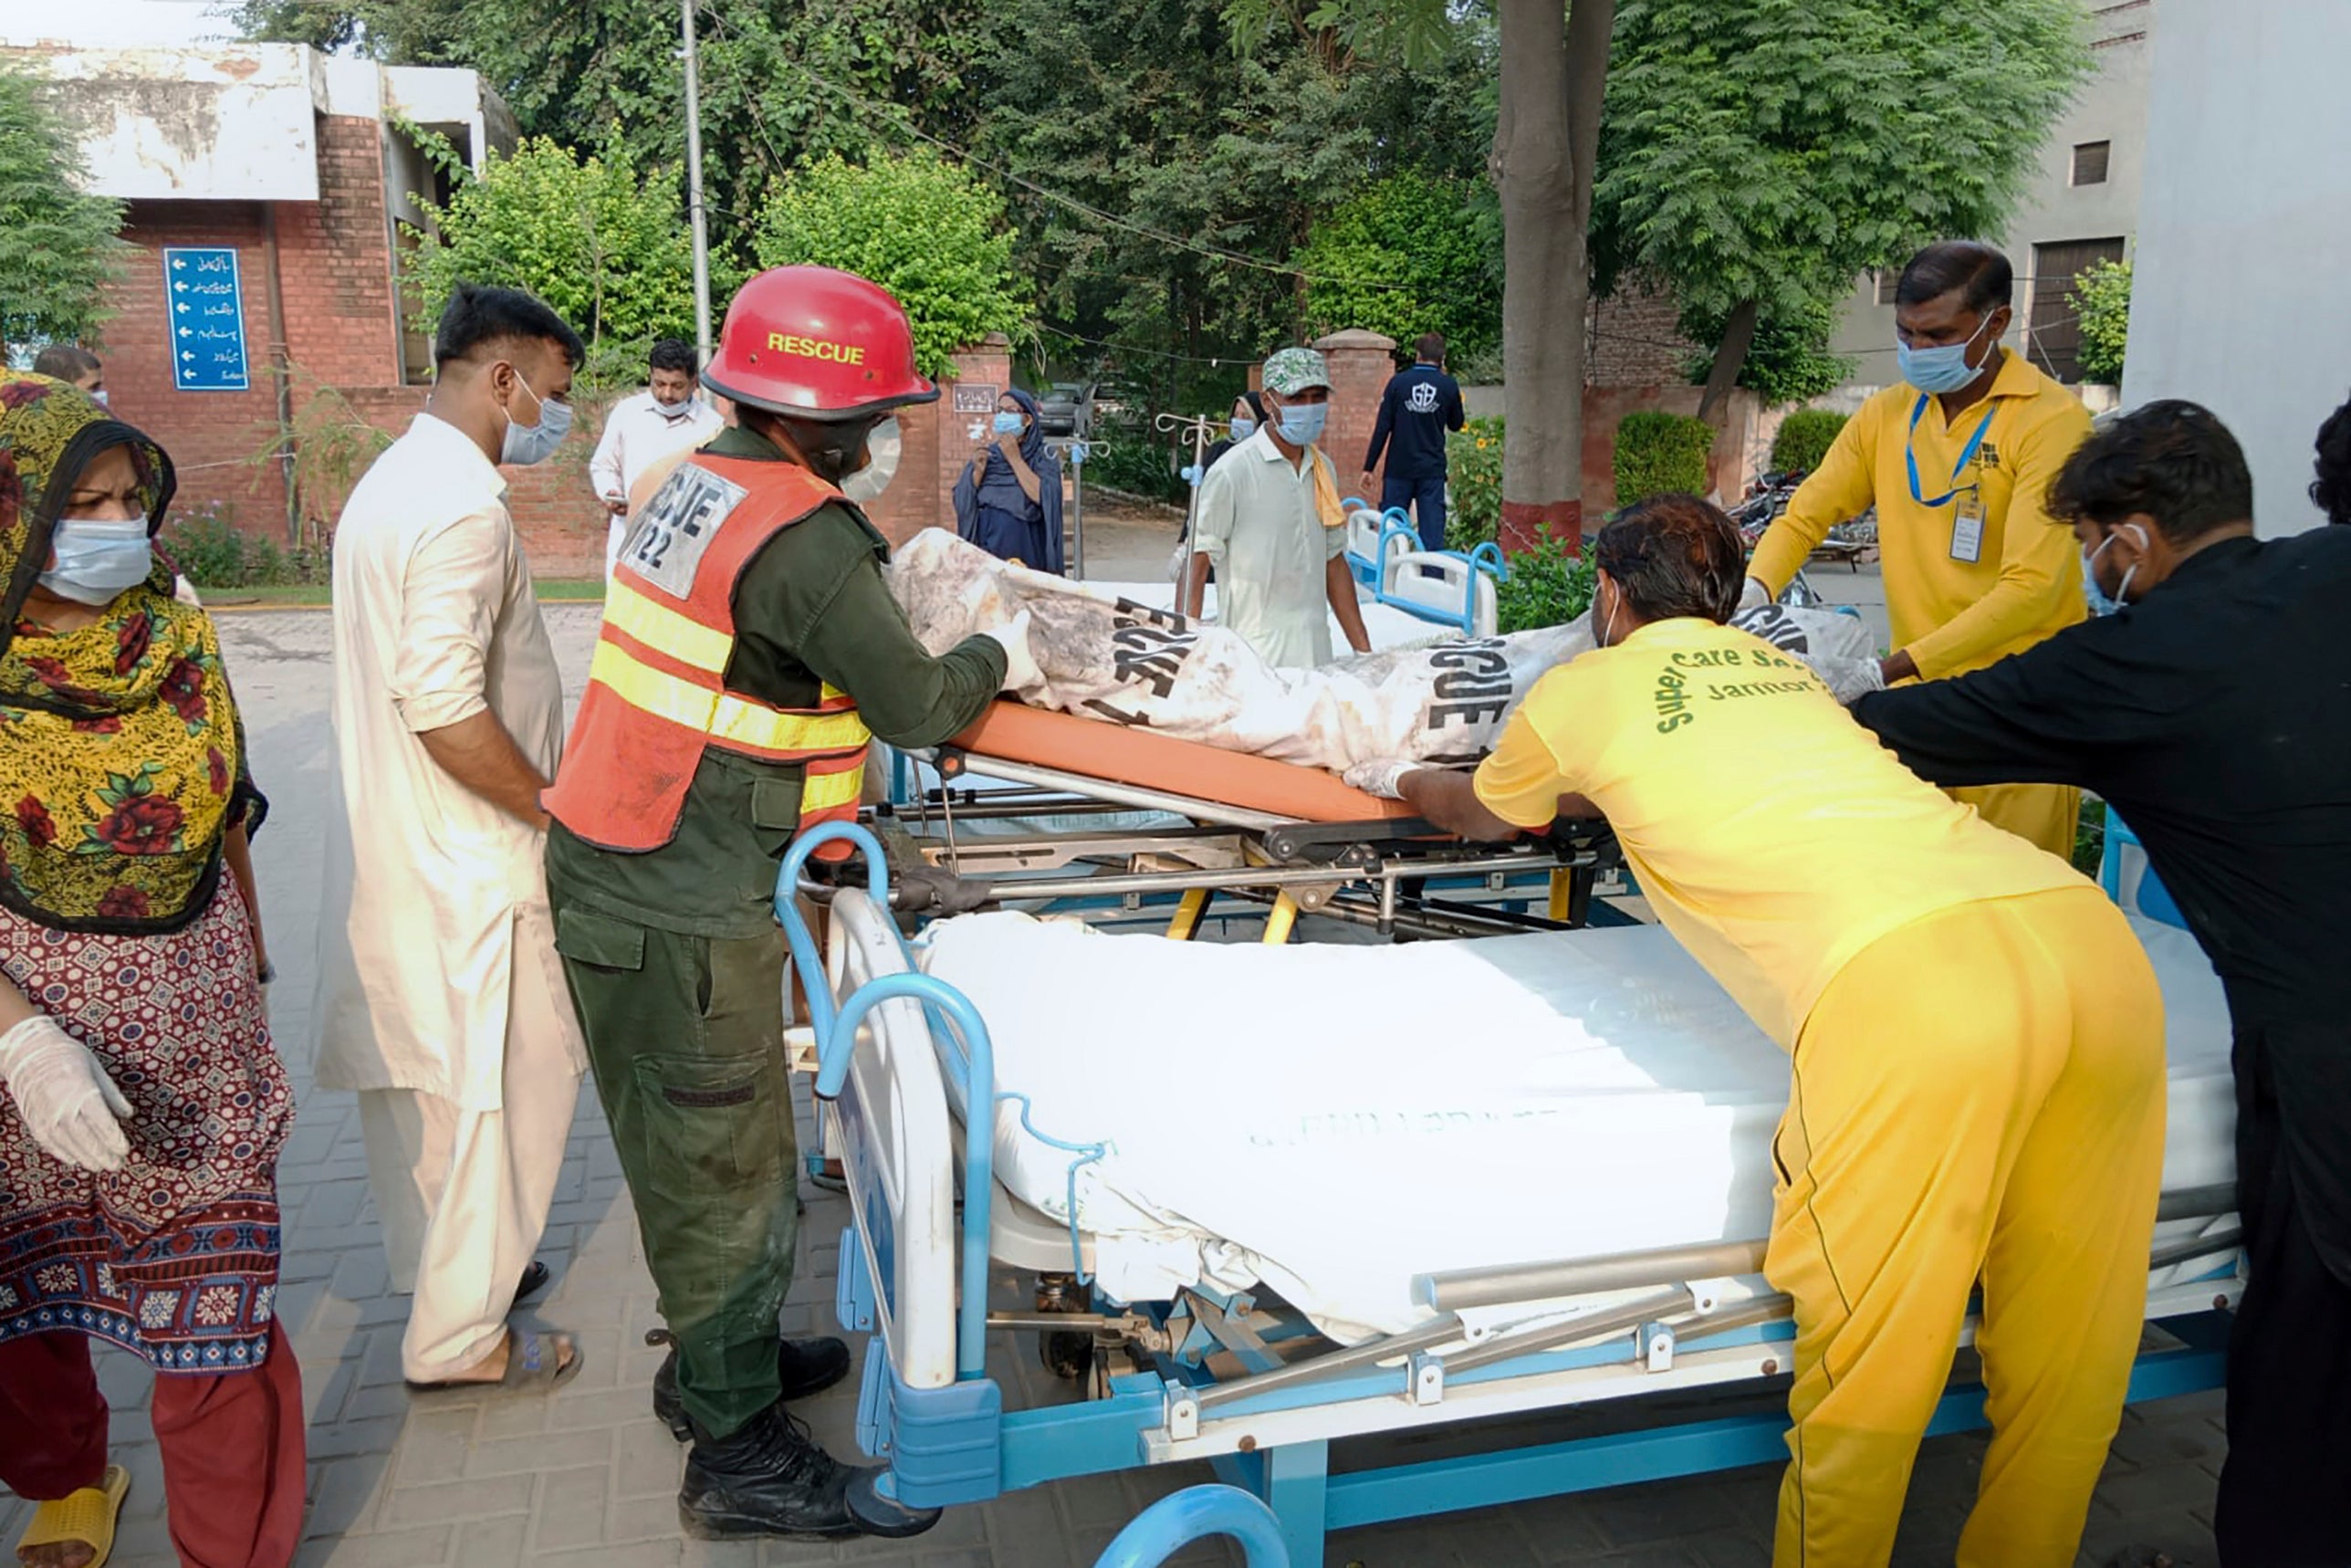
(1293, 837)
(905, 1059)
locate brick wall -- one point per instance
(1361, 364)
(335, 259)
(1634, 338)
(334, 275)
(210, 435)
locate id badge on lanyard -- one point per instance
(1968, 516)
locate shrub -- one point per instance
(1473, 467)
(2101, 296)
(1661, 454)
(1804, 440)
(1548, 586)
(921, 228)
(604, 246)
(210, 552)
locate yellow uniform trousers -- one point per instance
(2043, 814)
(1979, 1094)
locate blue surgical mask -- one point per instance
(1007, 423)
(1243, 428)
(98, 559)
(527, 443)
(1939, 370)
(1301, 423)
(2100, 604)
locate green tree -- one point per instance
(1759, 154)
(2100, 300)
(778, 83)
(58, 249)
(1425, 233)
(1550, 71)
(1203, 169)
(915, 223)
(1789, 359)
(602, 246)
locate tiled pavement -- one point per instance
(586, 1477)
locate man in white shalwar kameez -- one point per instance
(441, 1001)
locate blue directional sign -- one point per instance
(207, 318)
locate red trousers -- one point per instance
(231, 1445)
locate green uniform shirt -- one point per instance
(812, 607)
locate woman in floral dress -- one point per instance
(141, 1106)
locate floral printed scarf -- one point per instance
(123, 761)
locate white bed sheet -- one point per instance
(1335, 1120)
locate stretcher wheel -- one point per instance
(1066, 1353)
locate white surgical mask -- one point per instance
(883, 447)
(1301, 423)
(2100, 604)
(98, 397)
(527, 443)
(98, 559)
(673, 411)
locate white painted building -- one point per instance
(2246, 220)
(2081, 205)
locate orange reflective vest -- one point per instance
(658, 695)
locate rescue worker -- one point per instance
(1976, 1036)
(2213, 714)
(749, 647)
(1955, 459)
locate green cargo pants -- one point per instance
(686, 1037)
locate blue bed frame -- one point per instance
(960, 1444)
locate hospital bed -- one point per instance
(1006, 805)
(1281, 1203)
(1449, 588)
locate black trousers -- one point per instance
(2285, 1488)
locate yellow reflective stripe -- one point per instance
(748, 724)
(831, 791)
(718, 715)
(658, 626)
(657, 692)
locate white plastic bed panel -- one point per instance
(1335, 1120)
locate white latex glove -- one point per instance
(1850, 680)
(1754, 596)
(1022, 678)
(1380, 777)
(70, 1106)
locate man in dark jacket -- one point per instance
(2212, 711)
(1418, 407)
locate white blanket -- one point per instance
(1335, 1120)
(1113, 659)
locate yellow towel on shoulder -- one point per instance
(1326, 491)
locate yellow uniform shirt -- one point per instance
(1953, 614)
(1774, 836)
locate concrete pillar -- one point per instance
(1360, 363)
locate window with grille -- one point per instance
(2053, 342)
(2090, 163)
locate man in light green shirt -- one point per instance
(1260, 527)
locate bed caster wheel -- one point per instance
(1065, 1354)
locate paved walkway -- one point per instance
(587, 1478)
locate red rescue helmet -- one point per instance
(815, 343)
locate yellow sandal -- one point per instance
(86, 1516)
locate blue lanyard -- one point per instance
(1966, 454)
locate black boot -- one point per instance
(805, 1367)
(771, 1479)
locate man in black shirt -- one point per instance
(2213, 713)
(1415, 411)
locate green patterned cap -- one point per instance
(1289, 371)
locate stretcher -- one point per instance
(1521, 1374)
(1186, 824)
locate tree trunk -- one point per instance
(1554, 69)
(1729, 359)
